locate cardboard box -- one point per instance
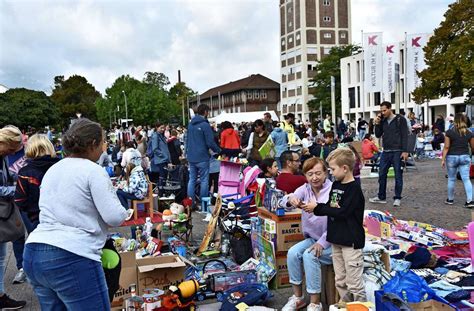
(431, 305)
(128, 276)
(159, 272)
(288, 228)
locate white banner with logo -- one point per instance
(390, 58)
(373, 55)
(415, 59)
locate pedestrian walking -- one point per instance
(458, 141)
(393, 130)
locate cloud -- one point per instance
(211, 41)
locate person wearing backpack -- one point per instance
(394, 132)
(160, 154)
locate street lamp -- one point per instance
(126, 109)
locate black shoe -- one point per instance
(6, 303)
(469, 205)
(449, 202)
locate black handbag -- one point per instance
(11, 224)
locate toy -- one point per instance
(216, 284)
(148, 226)
(181, 297)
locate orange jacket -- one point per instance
(368, 149)
(230, 139)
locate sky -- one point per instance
(212, 42)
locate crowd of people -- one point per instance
(66, 219)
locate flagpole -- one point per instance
(405, 81)
(362, 105)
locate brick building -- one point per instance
(308, 30)
(254, 93)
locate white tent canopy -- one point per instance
(240, 117)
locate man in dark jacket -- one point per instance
(199, 139)
(394, 132)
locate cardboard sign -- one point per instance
(128, 276)
(159, 272)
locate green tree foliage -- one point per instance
(146, 103)
(449, 56)
(157, 79)
(179, 93)
(75, 95)
(327, 67)
(23, 108)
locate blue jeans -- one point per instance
(201, 169)
(19, 245)
(3, 264)
(386, 160)
(65, 281)
(124, 197)
(361, 134)
(300, 261)
(463, 164)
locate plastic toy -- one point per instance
(181, 297)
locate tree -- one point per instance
(327, 67)
(24, 108)
(157, 79)
(146, 103)
(449, 56)
(179, 93)
(75, 95)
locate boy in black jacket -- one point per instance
(345, 211)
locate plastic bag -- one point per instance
(410, 287)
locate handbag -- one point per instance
(11, 224)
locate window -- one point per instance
(256, 94)
(263, 94)
(283, 42)
(348, 73)
(310, 67)
(290, 24)
(352, 102)
(327, 35)
(327, 50)
(326, 18)
(326, 3)
(343, 35)
(312, 51)
(290, 39)
(298, 37)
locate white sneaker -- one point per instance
(129, 214)
(396, 202)
(377, 200)
(208, 217)
(20, 277)
(294, 303)
(314, 307)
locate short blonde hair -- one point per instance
(11, 135)
(342, 156)
(38, 146)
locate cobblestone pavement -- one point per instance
(424, 193)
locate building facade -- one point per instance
(254, 93)
(308, 30)
(356, 103)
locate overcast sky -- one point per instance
(212, 41)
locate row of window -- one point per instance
(326, 35)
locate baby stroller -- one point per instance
(174, 184)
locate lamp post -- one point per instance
(126, 108)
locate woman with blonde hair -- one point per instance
(10, 142)
(458, 141)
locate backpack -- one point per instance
(149, 148)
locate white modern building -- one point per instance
(308, 30)
(356, 103)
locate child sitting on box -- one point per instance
(136, 184)
(345, 209)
